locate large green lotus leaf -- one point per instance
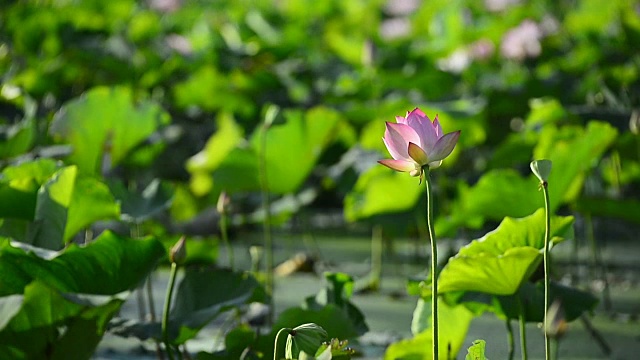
(502, 260)
(108, 265)
(138, 206)
(53, 203)
(476, 351)
(17, 138)
(573, 152)
(48, 227)
(211, 90)
(237, 173)
(488, 273)
(592, 17)
(91, 201)
(518, 232)
(627, 209)
(545, 111)
(380, 190)
(574, 302)
(293, 148)
(236, 342)
(202, 295)
(338, 290)
(513, 151)
(453, 323)
(33, 332)
(9, 306)
(498, 193)
(418, 347)
(331, 317)
(219, 145)
(77, 290)
(16, 203)
(105, 120)
(19, 186)
(329, 308)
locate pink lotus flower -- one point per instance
(414, 142)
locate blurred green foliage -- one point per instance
(145, 111)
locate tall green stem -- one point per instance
(376, 257)
(547, 234)
(225, 239)
(434, 263)
(167, 306)
(510, 339)
(597, 262)
(555, 345)
(276, 343)
(270, 115)
(523, 328)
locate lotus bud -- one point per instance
(223, 203)
(307, 338)
(556, 322)
(541, 169)
(178, 253)
(634, 122)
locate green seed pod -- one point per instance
(178, 253)
(307, 338)
(541, 169)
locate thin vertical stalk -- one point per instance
(88, 235)
(510, 339)
(167, 306)
(547, 235)
(142, 308)
(276, 343)
(376, 256)
(555, 347)
(268, 241)
(152, 307)
(434, 263)
(523, 328)
(596, 261)
(270, 115)
(225, 239)
(134, 231)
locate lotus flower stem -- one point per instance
(376, 257)
(434, 263)
(523, 329)
(276, 343)
(547, 228)
(555, 344)
(167, 306)
(417, 145)
(222, 206)
(510, 339)
(270, 115)
(597, 263)
(225, 240)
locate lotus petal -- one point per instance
(397, 138)
(417, 154)
(444, 146)
(398, 165)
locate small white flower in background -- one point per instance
(499, 5)
(522, 41)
